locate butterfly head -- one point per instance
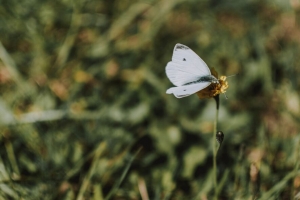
(216, 81)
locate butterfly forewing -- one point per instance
(184, 54)
(186, 66)
(180, 74)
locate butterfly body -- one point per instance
(188, 72)
(208, 78)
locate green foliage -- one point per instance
(84, 114)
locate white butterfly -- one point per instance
(188, 72)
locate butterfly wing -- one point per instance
(186, 66)
(186, 90)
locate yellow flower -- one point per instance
(214, 88)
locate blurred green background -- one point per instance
(84, 114)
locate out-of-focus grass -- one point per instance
(83, 90)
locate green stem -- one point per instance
(119, 182)
(215, 148)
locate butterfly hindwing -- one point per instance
(186, 90)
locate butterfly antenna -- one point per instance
(232, 75)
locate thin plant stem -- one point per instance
(87, 179)
(278, 187)
(12, 159)
(215, 149)
(119, 182)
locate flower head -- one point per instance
(214, 88)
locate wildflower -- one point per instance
(214, 88)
